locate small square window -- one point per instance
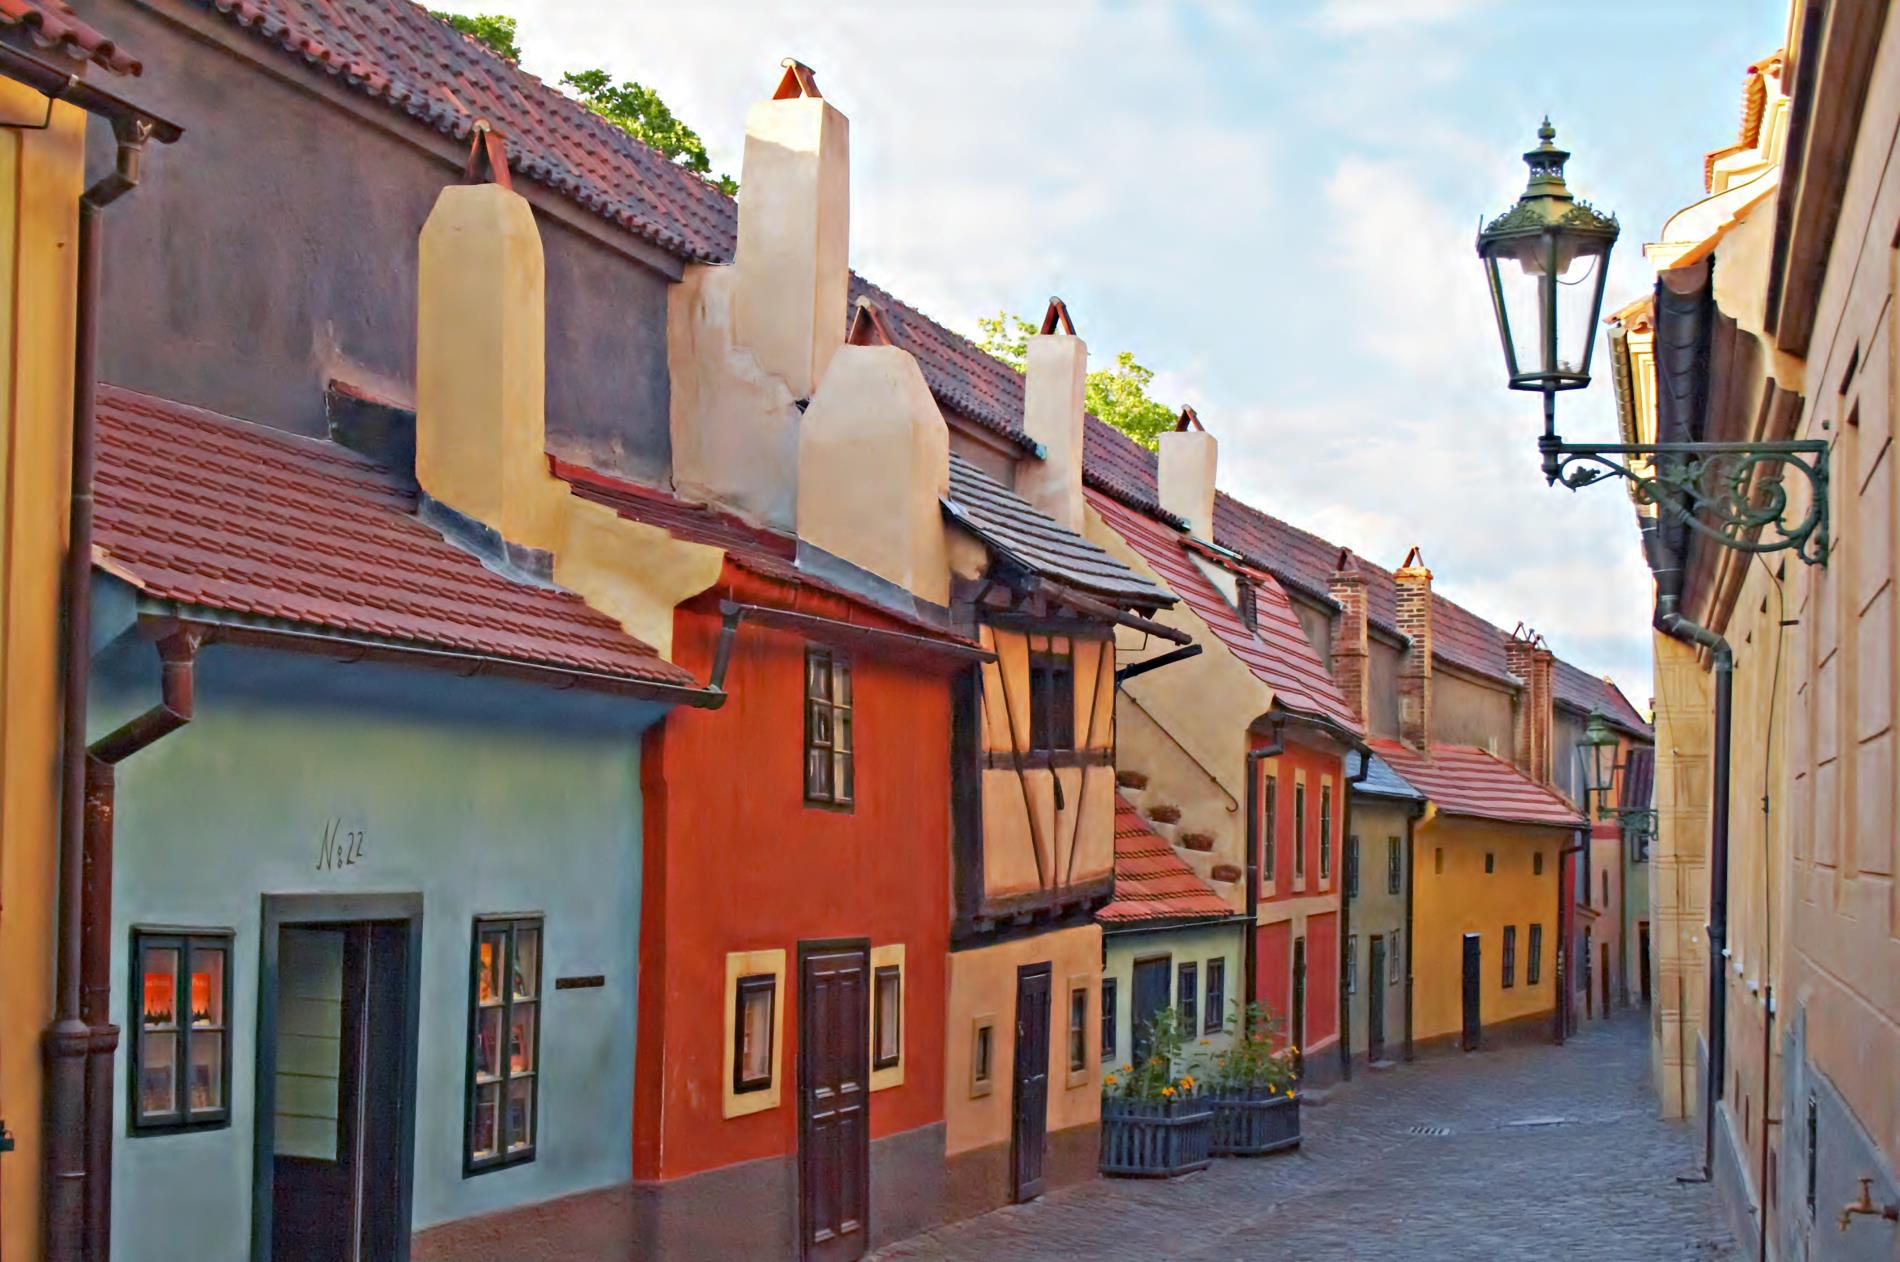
(830, 775)
(1108, 1019)
(1186, 995)
(1490, 863)
(1537, 863)
(1079, 1030)
(1215, 1015)
(1051, 702)
(752, 1016)
(982, 1055)
(887, 1044)
(180, 1048)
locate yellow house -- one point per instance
(42, 173)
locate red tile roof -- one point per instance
(394, 52)
(217, 514)
(1581, 690)
(1461, 780)
(1152, 882)
(1278, 652)
(52, 24)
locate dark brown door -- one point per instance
(1642, 958)
(1603, 958)
(341, 997)
(1029, 1132)
(1375, 998)
(1299, 1004)
(1153, 979)
(834, 1126)
(1473, 980)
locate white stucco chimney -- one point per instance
(794, 232)
(874, 466)
(1186, 479)
(1054, 377)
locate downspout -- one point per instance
(1345, 915)
(1671, 622)
(1565, 925)
(73, 1204)
(1411, 882)
(1250, 954)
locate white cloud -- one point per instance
(1362, 17)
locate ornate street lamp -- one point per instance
(1597, 750)
(1547, 261)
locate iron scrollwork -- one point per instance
(1734, 493)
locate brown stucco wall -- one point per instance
(212, 297)
(1466, 711)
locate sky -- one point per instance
(1273, 205)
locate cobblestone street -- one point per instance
(1530, 1152)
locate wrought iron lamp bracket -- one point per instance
(1736, 494)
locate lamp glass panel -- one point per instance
(1580, 275)
(1519, 266)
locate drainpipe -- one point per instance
(1411, 882)
(1345, 916)
(1671, 622)
(1565, 924)
(1250, 955)
(69, 1041)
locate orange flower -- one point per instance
(1166, 1091)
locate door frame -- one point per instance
(820, 946)
(280, 910)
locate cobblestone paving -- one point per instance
(1549, 1153)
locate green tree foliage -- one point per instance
(492, 29)
(1116, 394)
(641, 113)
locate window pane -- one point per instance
(1078, 1029)
(520, 1113)
(207, 1071)
(980, 1069)
(521, 1038)
(161, 987)
(754, 1053)
(487, 1117)
(527, 962)
(818, 774)
(846, 778)
(488, 968)
(842, 682)
(487, 1043)
(158, 1074)
(818, 676)
(843, 741)
(1108, 1018)
(820, 723)
(890, 994)
(207, 985)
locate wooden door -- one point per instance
(834, 1131)
(1375, 998)
(1029, 1131)
(1473, 988)
(1642, 958)
(1603, 958)
(1299, 1005)
(1152, 982)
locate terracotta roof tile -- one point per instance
(51, 24)
(1011, 524)
(1278, 653)
(1461, 780)
(1152, 882)
(1581, 690)
(218, 514)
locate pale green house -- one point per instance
(1375, 961)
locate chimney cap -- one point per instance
(1188, 420)
(1057, 315)
(487, 157)
(1347, 565)
(798, 80)
(1414, 560)
(867, 326)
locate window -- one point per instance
(1108, 1019)
(1299, 832)
(1394, 872)
(1248, 602)
(982, 1055)
(1392, 959)
(1325, 832)
(829, 777)
(1079, 1030)
(752, 1032)
(1510, 956)
(1438, 860)
(1186, 994)
(887, 1024)
(1606, 889)
(1051, 702)
(1490, 863)
(1352, 867)
(1352, 963)
(1534, 967)
(1269, 826)
(504, 1031)
(1215, 1014)
(181, 1044)
(1537, 863)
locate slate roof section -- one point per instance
(1462, 780)
(1152, 881)
(1011, 525)
(218, 514)
(395, 53)
(963, 377)
(1639, 777)
(1578, 689)
(51, 24)
(1279, 655)
(1383, 782)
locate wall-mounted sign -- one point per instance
(339, 847)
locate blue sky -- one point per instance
(1270, 204)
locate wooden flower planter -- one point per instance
(1149, 1139)
(1253, 1125)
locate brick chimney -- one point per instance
(873, 468)
(1351, 650)
(481, 328)
(1054, 377)
(1415, 672)
(1527, 657)
(1186, 480)
(794, 232)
